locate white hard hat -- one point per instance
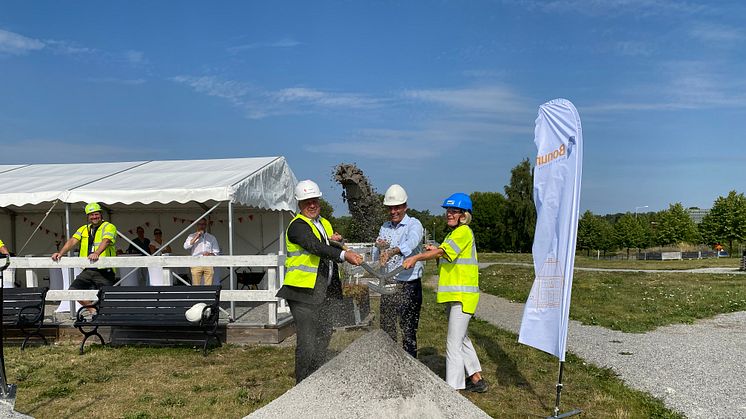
(195, 313)
(395, 195)
(307, 189)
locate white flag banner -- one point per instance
(559, 160)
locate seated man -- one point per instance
(96, 240)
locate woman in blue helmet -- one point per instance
(458, 288)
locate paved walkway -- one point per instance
(697, 369)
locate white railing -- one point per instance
(272, 264)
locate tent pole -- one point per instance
(13, 230)
(280, 253)
(230, 252)
(70, 271)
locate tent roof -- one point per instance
(259, 182)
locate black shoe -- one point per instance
(479, 387)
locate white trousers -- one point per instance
(461, 358)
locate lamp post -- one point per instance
(640, 207)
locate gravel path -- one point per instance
(690, 271)
(696, 369)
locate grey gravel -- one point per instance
(372, 378)
(731, 271)
(7, 412)
(695, 369)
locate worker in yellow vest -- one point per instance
(3, 249)
(458, 288)
(312, 278)
(96, 241)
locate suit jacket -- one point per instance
(300, 233)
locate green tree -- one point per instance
(595, 233)
(675, 226)
(628, 233)
(327, 210)
(488, 222)
(521, 212)
(726, 221)
(607, 241)
(588, 232)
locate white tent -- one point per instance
(164, 194)
(246, 200)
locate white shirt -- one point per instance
(207, 243)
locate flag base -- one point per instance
(566, 414)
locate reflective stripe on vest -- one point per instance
(459, 278)
(99, 237)
(301, 267)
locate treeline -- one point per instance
(501, 223)
(506, 222)
(725, 224)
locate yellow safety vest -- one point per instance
(106, 230)
(459, 270)
(1, 243)
(301, 267)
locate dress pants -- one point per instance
(202, 272)
(403, 308)
(461, 358)
(313, 324)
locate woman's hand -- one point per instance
(409, 262)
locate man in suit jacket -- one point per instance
(312, 278)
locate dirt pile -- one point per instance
(372, 378)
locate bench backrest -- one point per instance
(159, 304)
(16, 299)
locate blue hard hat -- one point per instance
(458, 200)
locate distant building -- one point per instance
(697, 214)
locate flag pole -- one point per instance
(556, 413)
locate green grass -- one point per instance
(591, 262)
(142, 382)
(523, 379)
(631, 301)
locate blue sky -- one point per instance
(437, 96)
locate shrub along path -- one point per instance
(697, 369)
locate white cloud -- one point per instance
(481, 99)
(685, 85)
(283, 43)
(115, 80)
(68, 48)
(322, 98)
(13, 43)
(715, 33)
(233, 91)
(634, 48)
(614, 7)
(258, 103)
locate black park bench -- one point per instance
(23, 308)
(156, 308)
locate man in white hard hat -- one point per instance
(312, 278)
(399, 238)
